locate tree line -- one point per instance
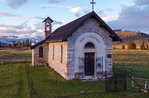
(26, 43)
(132, 45)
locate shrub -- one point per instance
(131, 45)
(123, 46)
(142, 46)
(147, 46)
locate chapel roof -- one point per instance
(62, 33)
(65, 31)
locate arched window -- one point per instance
(48, 26)
(89, 45)
(40, 51)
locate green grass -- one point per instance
(13, 81)
(46, 83)
(136, 62)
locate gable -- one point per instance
(62, 33)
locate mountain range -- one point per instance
(11, 39)
(137, 36)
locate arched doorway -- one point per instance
(89, 56)
(89, 46)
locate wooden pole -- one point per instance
(145, 86)
(125, 77)
(132, 83)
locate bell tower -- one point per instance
(47, 26)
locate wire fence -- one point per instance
(12, 61)
(80, 88)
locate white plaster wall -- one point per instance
(89, 26)
(79, 48)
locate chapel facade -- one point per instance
(81, 49)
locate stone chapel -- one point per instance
(81, 49)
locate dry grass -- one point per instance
(14, 55)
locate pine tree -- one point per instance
(19, 44)
(14, 44)
(23, 44)
(27, 43)
(30, 43)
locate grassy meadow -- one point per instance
(8, 55)
(136, 62)
(19, 81)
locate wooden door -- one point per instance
(89, 63)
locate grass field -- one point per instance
(14, 54)
(46, 83)
(136, 62)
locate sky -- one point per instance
(23, 18)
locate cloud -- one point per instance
(54, 1)
(23, 30)
(5, 14)
(15, 4)
(133, 17)
(58, 22)
(142, 2)
(39, 18)
(106, 17)
(55, 21)
(9, 15)
(78, 11)
(54, 6)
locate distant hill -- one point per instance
(137, 37)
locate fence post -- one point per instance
(132, 83)
(106, 81)
(125, 77)
(115, 81)
(145, 86)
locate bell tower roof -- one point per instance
(48, 18)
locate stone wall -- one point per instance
(36, 60)
(55, 62)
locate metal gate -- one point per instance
(115, 82)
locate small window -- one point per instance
(40, 51)
(89, 45)
(61, 53)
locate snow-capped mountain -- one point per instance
(11, 39)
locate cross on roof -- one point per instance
(92, 4)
